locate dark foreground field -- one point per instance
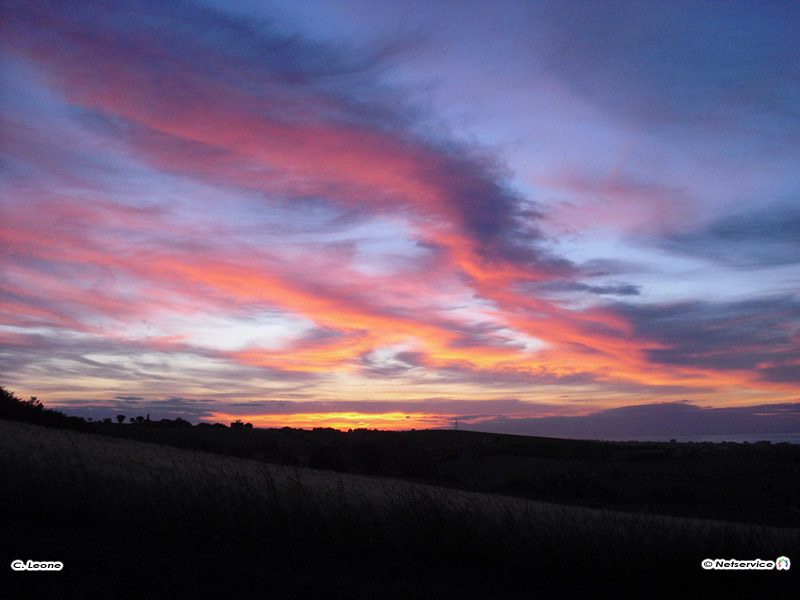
(131, 519)
(753, 483)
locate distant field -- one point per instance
(130, 514)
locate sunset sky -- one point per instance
(393, 214)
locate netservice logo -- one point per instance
(782, 562)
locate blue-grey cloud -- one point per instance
(608, 289)
(656, 420)
(758, 335)
(762, 237)
(192, 410)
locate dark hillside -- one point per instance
(756, 483)
(134, 520)
(753, 483)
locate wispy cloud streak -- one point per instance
(192, 191)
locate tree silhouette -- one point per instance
(32, 411)
(120, 419)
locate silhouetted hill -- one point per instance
(756, 483)
(132, 520)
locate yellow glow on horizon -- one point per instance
(344, 420)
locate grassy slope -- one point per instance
(753, 483)
(130, 518)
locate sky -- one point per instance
(534, 217)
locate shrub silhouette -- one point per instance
(32, 411)
(15, 408)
